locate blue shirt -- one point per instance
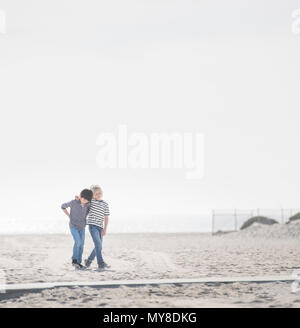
(78, 213)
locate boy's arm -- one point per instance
(105, 225)
(65, 206)
(106, 214)
(66, 212)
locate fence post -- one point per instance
(235, 220)
(213, 222)
(282, 216)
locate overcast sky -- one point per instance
(70, 70)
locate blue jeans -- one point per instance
(96, 233)
(78, 236)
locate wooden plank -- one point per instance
(144, 282)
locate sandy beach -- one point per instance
(257, 251)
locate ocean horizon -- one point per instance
(134, 224)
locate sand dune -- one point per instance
(275, 231)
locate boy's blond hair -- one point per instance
(95, 187)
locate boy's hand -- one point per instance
(77, 197)
(103, 232)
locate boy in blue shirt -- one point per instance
(79, 209)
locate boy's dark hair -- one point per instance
(87, 194)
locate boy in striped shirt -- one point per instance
(97, 221)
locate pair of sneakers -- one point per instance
(77, 265)
(101, 266)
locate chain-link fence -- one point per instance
(232, 220)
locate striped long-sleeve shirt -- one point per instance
(98, 209)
